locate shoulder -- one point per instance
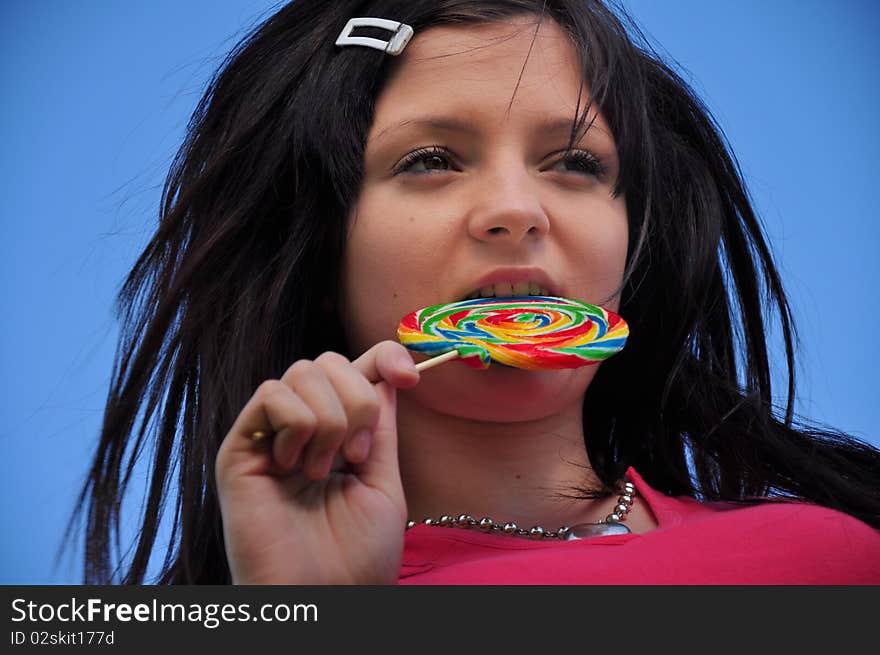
(820, 528)
(774, 543)
(790, 519)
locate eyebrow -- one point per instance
(550, 126)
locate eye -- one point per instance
(584, 162)
(424, 161)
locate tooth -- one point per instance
(487, 292)
(503, 289)
(544, 292)
(534, 289)
(521, 289)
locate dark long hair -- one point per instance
(251, 233)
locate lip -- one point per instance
(513, 276)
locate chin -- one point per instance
(500, 394)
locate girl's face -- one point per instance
(463, 189)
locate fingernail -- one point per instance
(359, 447)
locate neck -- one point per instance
(506, 471)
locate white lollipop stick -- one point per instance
(434, 361)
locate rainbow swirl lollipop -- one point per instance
(529, 332)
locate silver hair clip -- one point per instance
(394, 46)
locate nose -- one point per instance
(507, 211)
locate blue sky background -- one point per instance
(96, 97)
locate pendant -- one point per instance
(586, 530)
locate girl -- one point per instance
(328, 187)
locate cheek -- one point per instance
(608, 254)
(388, 266)
(367, 284)
(609, 228)
(600, 260)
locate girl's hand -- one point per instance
(321, 502)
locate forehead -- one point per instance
(489, 46)
(499, 71)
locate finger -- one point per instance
(359, 400)
(382, 469)
(388, 361)
(311, 384)
(289, 441)
(273, 408)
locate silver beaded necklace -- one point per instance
(613, 523)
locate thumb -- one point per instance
(382, 468)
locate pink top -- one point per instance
(695, 543)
